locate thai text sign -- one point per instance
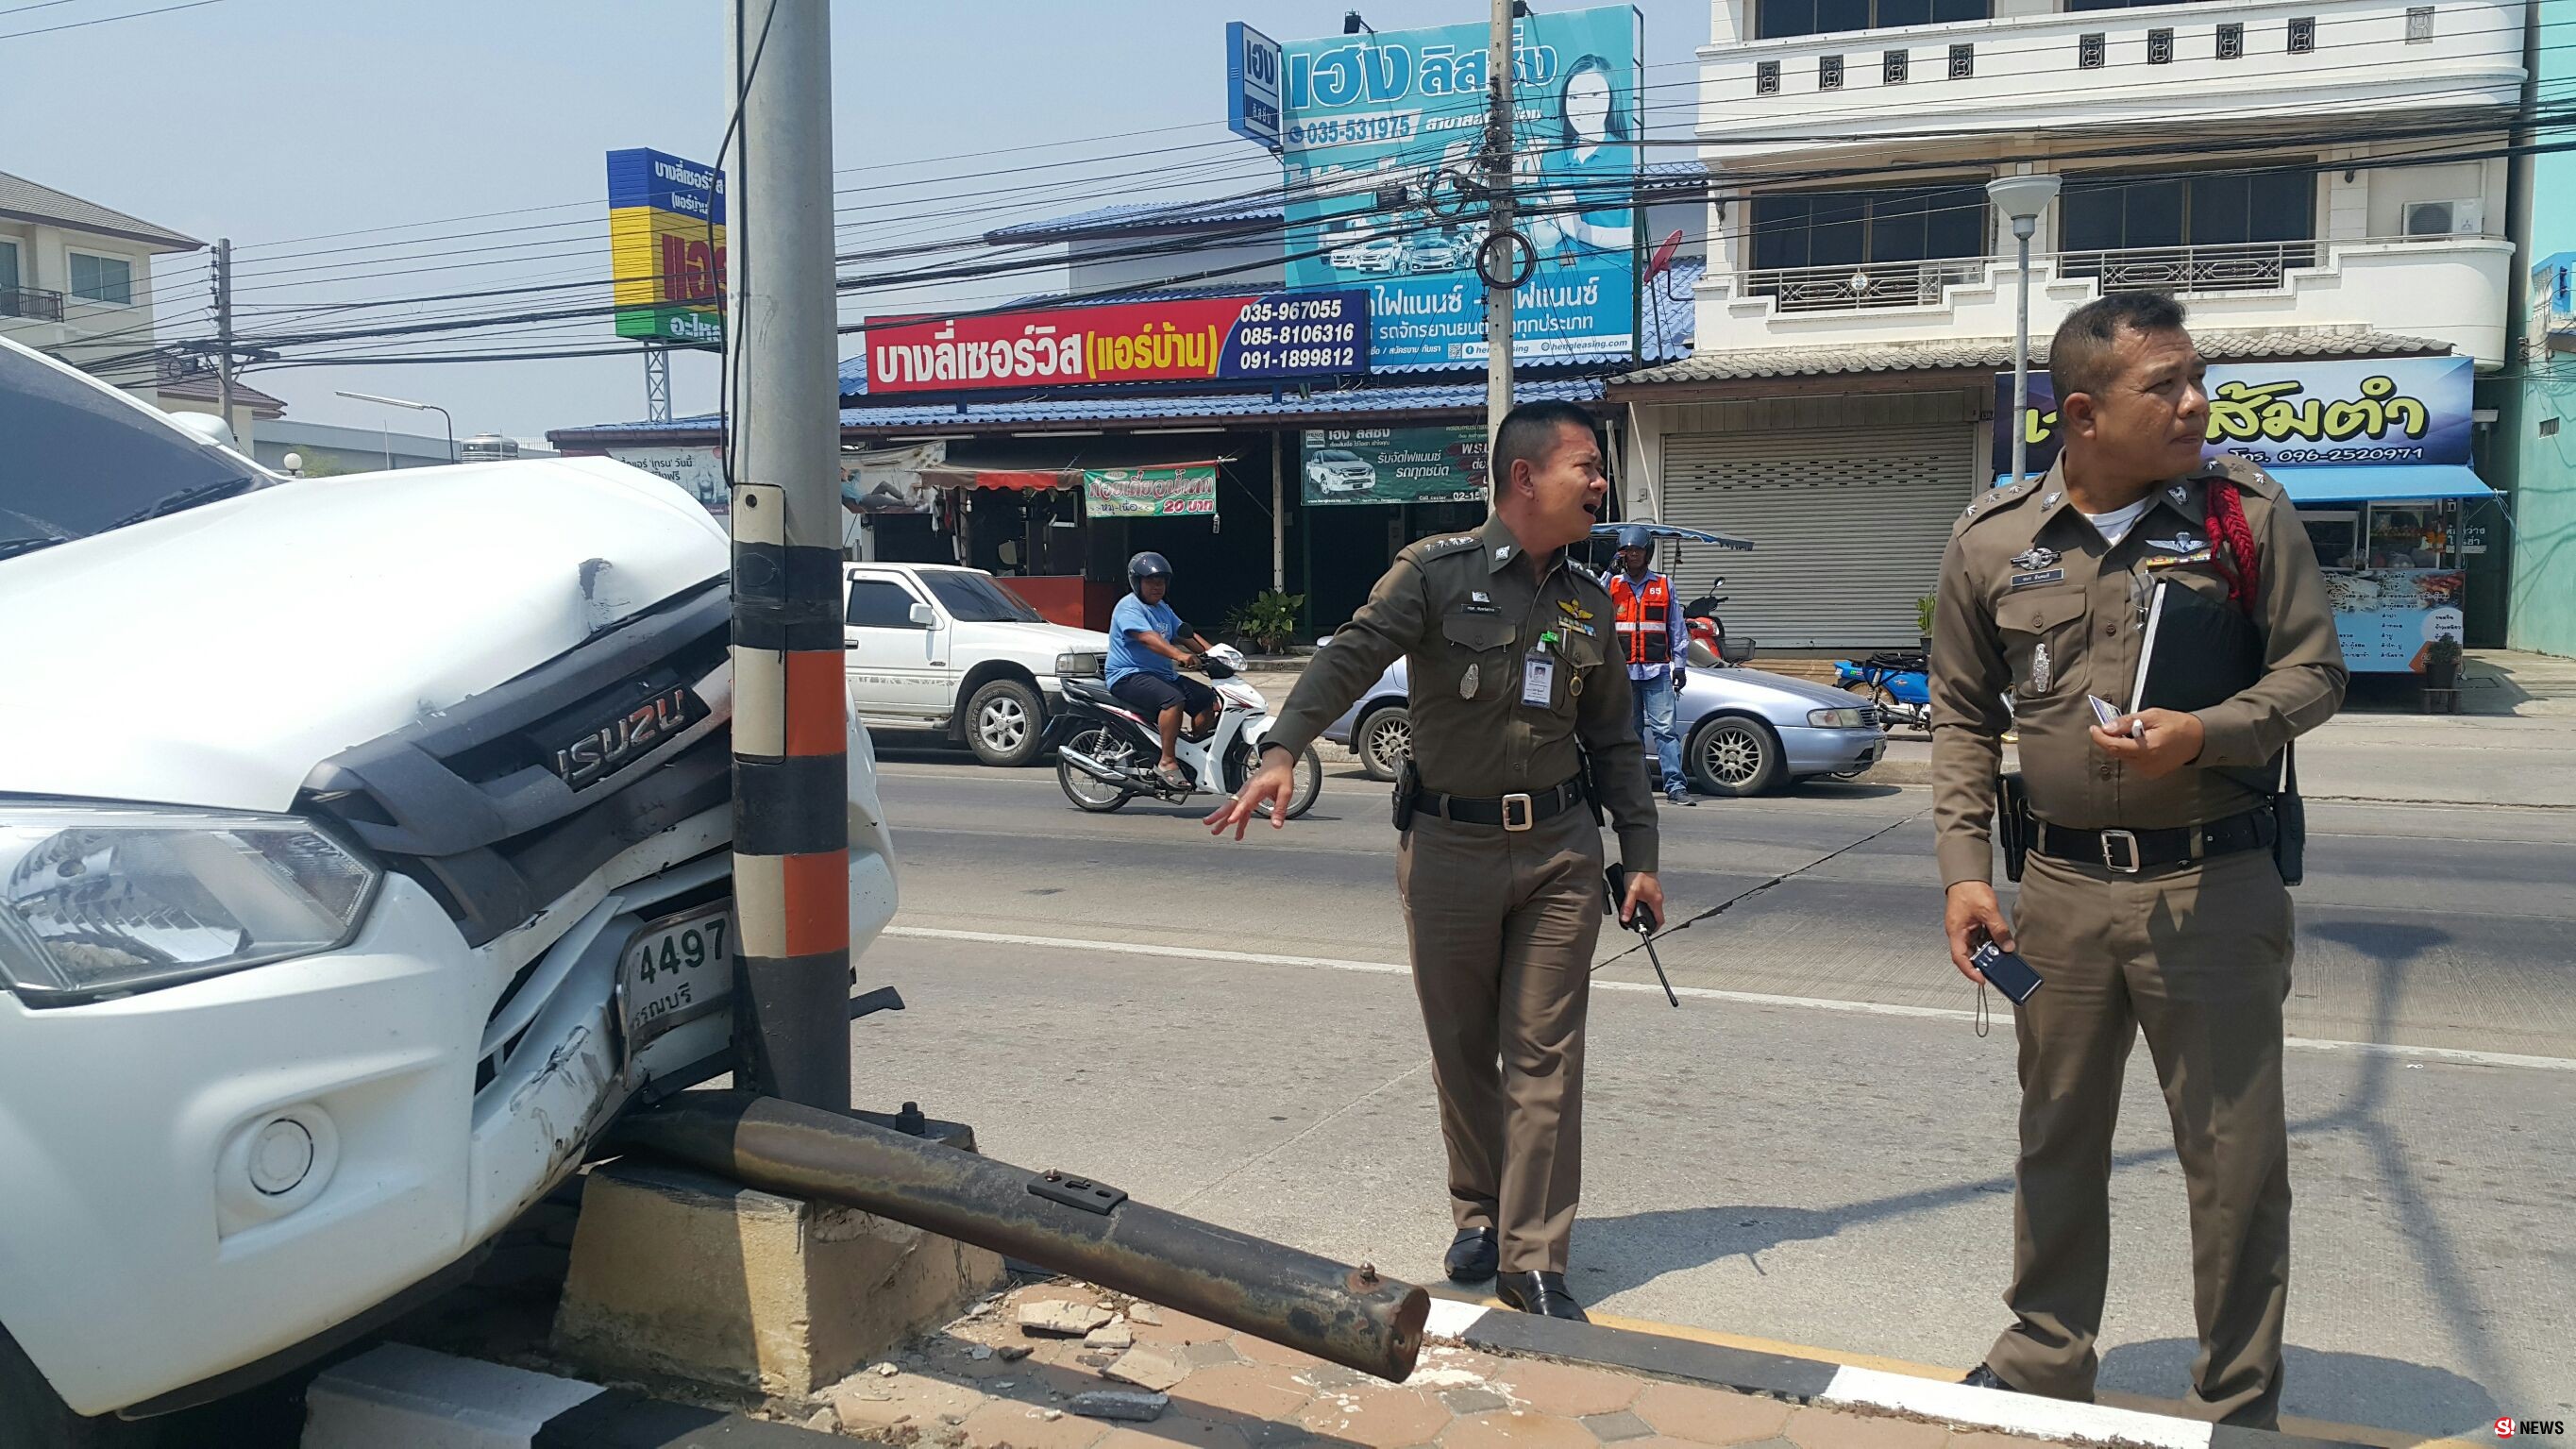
(1278, 334)
(1179, 491)
(1380, 143)
(2300, 414)
(1251, 84)
(1394, 465)
(666, 247)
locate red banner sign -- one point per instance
(1274, 335)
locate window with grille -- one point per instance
(1846, 228)
(2159, 47)
(2303, 35)
(1963, 61)
(1891, 68)
(2419, 25)
(2231, 40)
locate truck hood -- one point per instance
(214, 657)
(1038, 642)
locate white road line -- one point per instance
(1703, 993)
(2014, 1413)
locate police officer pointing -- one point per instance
(1513, 675)
(2152, 898)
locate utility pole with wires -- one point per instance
(790, 743)
(223, 284)
(1498, 259)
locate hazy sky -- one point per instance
(284, 123)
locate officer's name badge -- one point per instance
(2036, 578)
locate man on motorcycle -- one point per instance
(1655, 640)
(1144, 663)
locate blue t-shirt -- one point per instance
(1132, 617)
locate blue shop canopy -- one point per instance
(2371, 482)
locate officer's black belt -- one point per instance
(1512, 812)
(2127, 852)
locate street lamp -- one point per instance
(2022, 199)
(422, 407)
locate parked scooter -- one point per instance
(1896, 680)
(1711, 647)
(1106, 751)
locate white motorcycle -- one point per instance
(1106, 752)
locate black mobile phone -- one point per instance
(2005, 971)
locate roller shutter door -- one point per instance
(1848, 526)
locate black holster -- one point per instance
(1590, 785)
(2290, 814)
(1408, 783)
(2014, 827)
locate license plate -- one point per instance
(676, 970)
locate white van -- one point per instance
(339, 820)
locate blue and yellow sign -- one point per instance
(666, 247)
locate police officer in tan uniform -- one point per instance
(1512, 666)
(2151, 897)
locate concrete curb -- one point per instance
(1809, 1381)
(397, 1394)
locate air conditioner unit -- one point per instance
(2446, 218)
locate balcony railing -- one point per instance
(2234, 267)
(1869, 284)
(29, 302)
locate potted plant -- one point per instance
(1923, 621)
(1266, 621)
(2442, 662)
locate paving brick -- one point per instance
(1262, 1350)
(1980, 1439)
(1621, 1426)
(1175, 1431)
(1813, 1428)
(1178, 1327)
(1380, 1418)
(1555, 1388)
(1478, 1400)
(1251, 1390)
(1003, 1424)
(1506, 1429)
(1209, 1355)
(1709, 1416)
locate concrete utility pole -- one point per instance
(223, 273)
(1498, 178)
(790, 743)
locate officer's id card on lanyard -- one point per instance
(1538, 674)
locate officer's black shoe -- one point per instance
(1473, 1257)
(1541, 1293)
(1982, 1377)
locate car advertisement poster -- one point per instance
(2300, 414)
(1268, 335)
(1393, 465)
(1183, 490)
(1379, 140)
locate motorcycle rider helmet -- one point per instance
(1637, 535)
(1147, 565)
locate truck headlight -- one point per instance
(1835, 719)
(104, 900)
(1081, 665)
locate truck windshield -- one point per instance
(976, 599)
(82, 458)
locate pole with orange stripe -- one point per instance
(790, 727)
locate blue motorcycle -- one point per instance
(1896, 681)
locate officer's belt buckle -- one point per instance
(1526, 817)
(2128, 838)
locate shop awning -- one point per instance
(2368, 482)
(2364, 482)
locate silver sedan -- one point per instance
(1744, 731)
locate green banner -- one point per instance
(1394, 465)
(1185, 490)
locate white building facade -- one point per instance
(2314, 179)
(77, 280)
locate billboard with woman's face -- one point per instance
(1381, 137)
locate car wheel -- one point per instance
(1384, 741)
(33, 1416)
(1003, 725)
(1736, 755)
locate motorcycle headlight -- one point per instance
(1835, 719)
(1080, 666)
(105, 900)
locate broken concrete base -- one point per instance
(679, 1274)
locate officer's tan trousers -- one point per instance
(2199, 957)
(1502, 926)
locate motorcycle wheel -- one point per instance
(1305, 785)
(1097, 796)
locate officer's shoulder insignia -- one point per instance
(1994, 501)
(2243, 472)
(1430, 548)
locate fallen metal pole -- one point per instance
(1350, 1316)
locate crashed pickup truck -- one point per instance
(363, 852)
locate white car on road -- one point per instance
(338, 818)
(938, 647)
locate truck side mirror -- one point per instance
(923, 616)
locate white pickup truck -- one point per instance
(339, 821)
(937, 647)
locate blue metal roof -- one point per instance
(1249, 406)
(1222, 212)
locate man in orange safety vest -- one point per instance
(1655, 641)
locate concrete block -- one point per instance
(680, 1274)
